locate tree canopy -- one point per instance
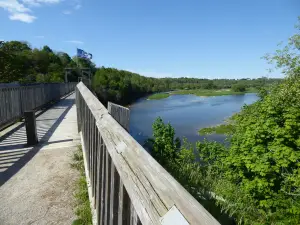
(123, 87)
(238, 88)
(20, 63)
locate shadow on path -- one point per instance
(28, 152)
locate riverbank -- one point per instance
(201, 93)
(158, 96)
(226, 128)
(206, 92)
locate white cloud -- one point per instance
(17, 11)
(78, 6)
(24, 17)
(75, 6)
(39, 36)
(13, 6)
(20, 9)
(39, 2)
(75, 42)
(67, 12)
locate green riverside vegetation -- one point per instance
(219, 129)
(21, 63)
(82, 203)
(124, 87)
(206, 92)
(202, 92)
(158, 96)
(255, 177)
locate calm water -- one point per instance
(186, 113)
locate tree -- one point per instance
(238, 88)
(47, 49)
(15, 46)
(260, 173)
(20, 63)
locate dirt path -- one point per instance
(38, 183)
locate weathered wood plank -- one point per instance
(133, 215)
(103, 186)
(120, 113)
(107, 187)
(114, 195)
(95, 162)
(124, 206)
(99, 180)
(151, 189)
(120, 206)
(15, 99)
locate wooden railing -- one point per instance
(128, 185)
(15, 99)
(120, 114)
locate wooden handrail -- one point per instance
(15, 99)
(120, 113)
(128, 185)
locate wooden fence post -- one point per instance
(30, 123)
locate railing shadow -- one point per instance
(28, 152)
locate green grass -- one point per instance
(200, 92)
(206, 92)
(158, 96)
(219, 129)
(82, 203)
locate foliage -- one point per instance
(164, 145)
(227, 128)
(182, 162)
(212, 92)
(256, 178)
(82, 208)
(20, 63)
(259, 175)
(238, 88)
(124, 87)
(262, 161)
(158, 96)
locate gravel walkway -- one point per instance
(37, 183)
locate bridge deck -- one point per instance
(36, 183)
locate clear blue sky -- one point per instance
(200, 38)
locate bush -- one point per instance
(238, 88)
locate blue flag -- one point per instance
(83, 54)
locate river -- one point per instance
(186, 113)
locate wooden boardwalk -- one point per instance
(37, 182)
(126, 185)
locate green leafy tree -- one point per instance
(20, 63)
(238, 88)
(182, 161)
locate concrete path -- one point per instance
(37, 183)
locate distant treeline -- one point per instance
(21, 63)
(123, 87)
